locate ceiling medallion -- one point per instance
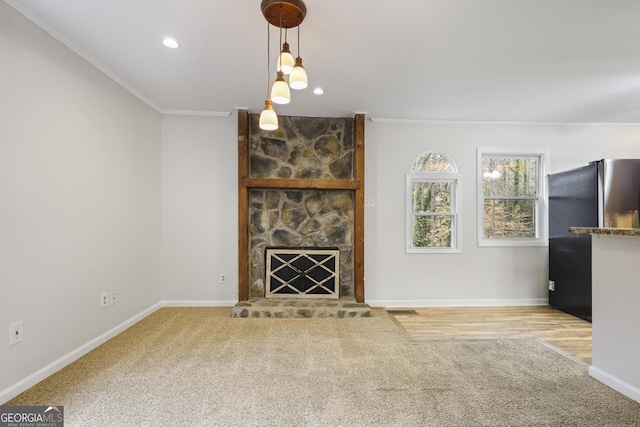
(291, 11)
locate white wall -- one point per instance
(79, 200)
(477, 276)
(199, 210)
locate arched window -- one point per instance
(433, 161)
(433, 215)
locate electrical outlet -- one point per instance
(104, 300)
(112, 298)
(223, 277)
(552, 285)
(15, 333)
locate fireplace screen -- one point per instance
(302, 273)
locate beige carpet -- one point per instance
(199, 367)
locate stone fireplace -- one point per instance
(297, 218)
(301, 186)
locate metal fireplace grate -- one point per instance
(302, 273)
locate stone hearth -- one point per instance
(304, 308)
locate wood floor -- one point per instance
(563, 331)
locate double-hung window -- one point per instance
(433, 217)
(512, 197)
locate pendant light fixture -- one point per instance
(285, 60)
(280, 93)
(298, 78)
(284, 14)
(268, 118)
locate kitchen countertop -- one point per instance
(606, 231)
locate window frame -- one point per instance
(541, 198)
(454, 178)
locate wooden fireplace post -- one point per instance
(243, 205)
(358, 237)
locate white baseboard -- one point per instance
(388, 303)
(197, 303)
(615, 383)
(53, 367)
(417, 303)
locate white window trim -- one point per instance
(542, 221)
(456, 232)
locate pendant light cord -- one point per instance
(298, 36)
(268, 61)
(280, 55)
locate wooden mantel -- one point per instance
(245, 183)
(300, 184)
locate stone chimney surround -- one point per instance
(301, 186)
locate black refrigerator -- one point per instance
(605, 193)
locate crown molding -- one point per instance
(196, 113)
(84, 55)
(475, 123)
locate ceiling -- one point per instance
(442, 60)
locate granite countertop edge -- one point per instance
(606, 231)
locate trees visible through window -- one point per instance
(432, 204)
(511, 197)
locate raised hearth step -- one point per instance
(301, 307)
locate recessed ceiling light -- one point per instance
(170, 43)
(318, 91)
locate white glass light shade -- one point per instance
(268, 117)
(285, 60)
(298, 77)
(280, 93)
